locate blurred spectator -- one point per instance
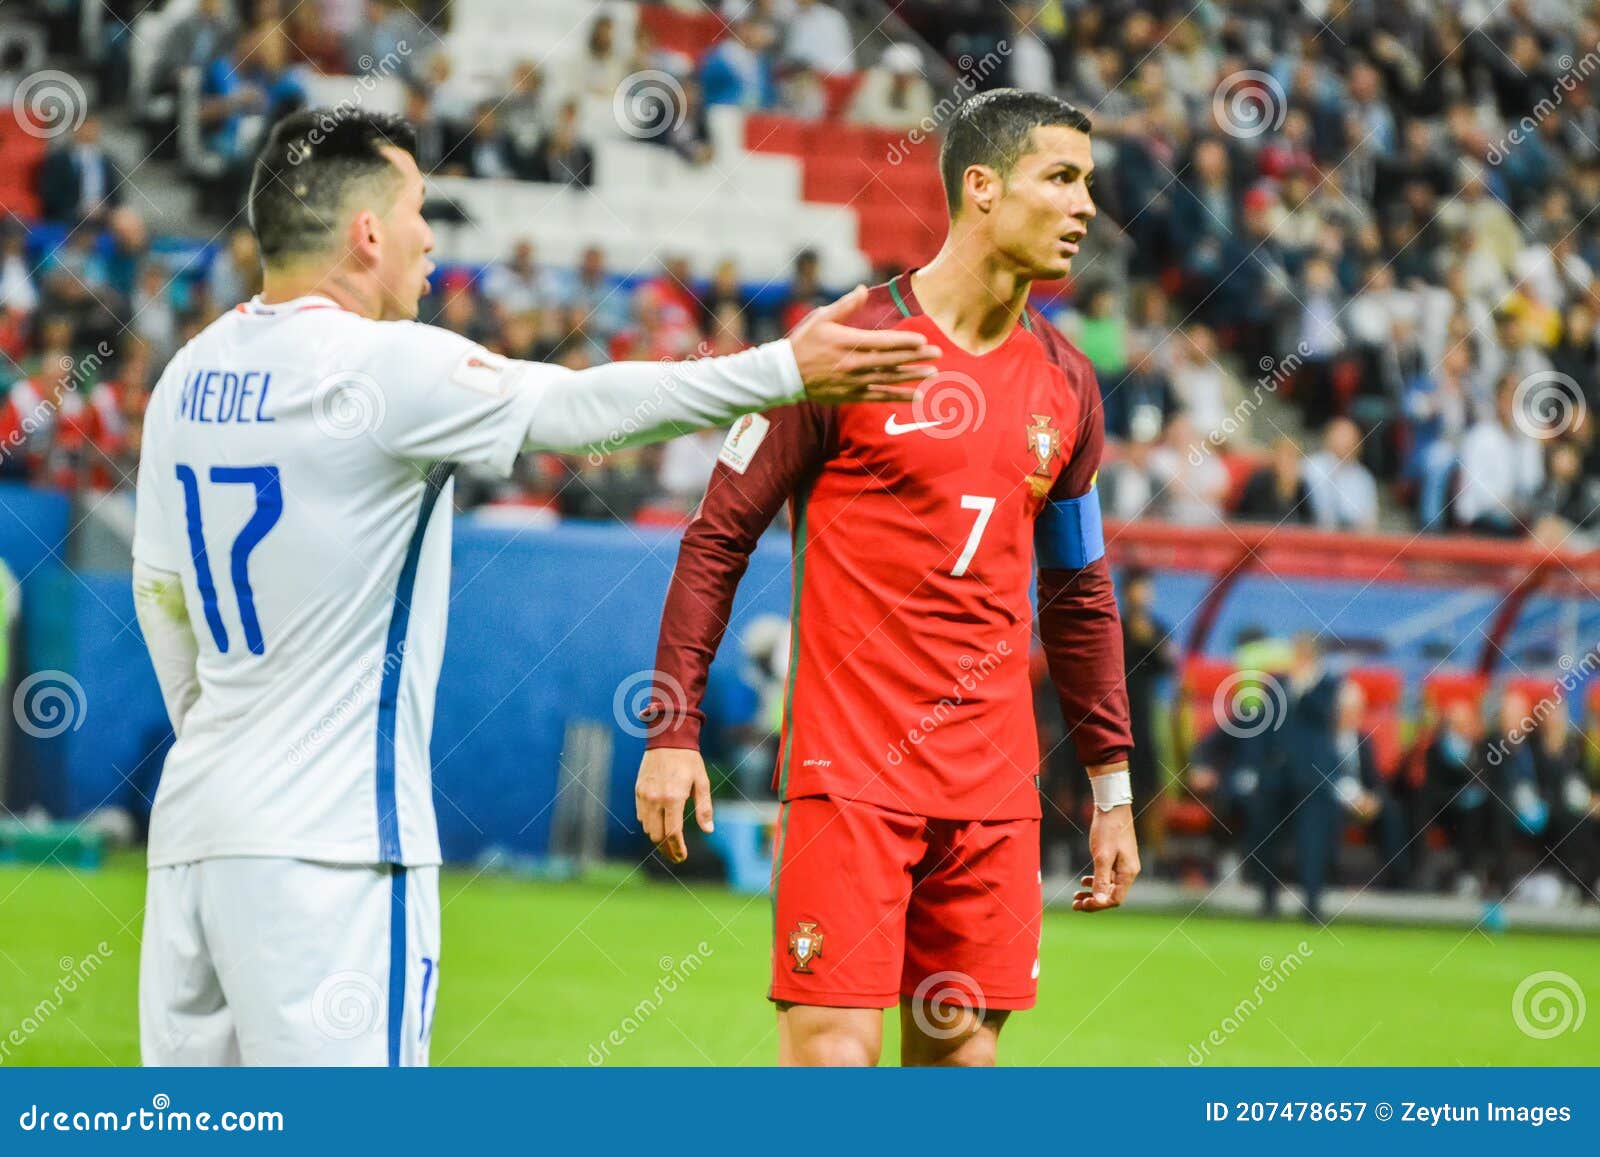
(801, 91)
(893, 94)
(819, 37)
(17, 290)
(804, 291)
(78, 181)
(739, 70)
(1343, 493)
(1032, 67)
(1101, 332)
(1362, 792)
(1207, 391)
(1139, 404)
(1572, 836)
(433, 140)
(1438, 405)
(1458, 795)
(599, 68)
(1277, 491)
(387, 41)
(1128, 485)
(591, 292)
(1502, 468)
(195, 42)
(1194, 484)
(487, 150)
(1566, 509)
(562, 158)
(236, 272)
(524, 113)
(519, 286)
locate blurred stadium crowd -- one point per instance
(1344, 273)
(1347, 279)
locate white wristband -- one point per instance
(1112, 789)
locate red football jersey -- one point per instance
(913, 530)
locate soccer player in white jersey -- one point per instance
(292, 556)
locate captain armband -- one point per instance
(1069, 534)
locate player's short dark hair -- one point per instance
(310, 164)
(995, 128)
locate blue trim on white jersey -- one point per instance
(1069, 535)
(389, 851)
(397, 961)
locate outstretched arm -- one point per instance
(765, 460)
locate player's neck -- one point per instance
(290, 284)
(971, 296)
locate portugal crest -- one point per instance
(805, 944)
(1044, 440)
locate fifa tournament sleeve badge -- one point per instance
(805, 945)
(1044, 440)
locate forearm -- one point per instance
(1082, 633)
(625, 403)
(174, 652)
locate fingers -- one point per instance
(885, 341)
(1103, 879)
(702, 802)
(672, 841)
(842, 307)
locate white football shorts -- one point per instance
(260, 961)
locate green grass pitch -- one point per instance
(556, 974)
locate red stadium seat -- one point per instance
(1443, 688)
(691, 33)
(1202, 678)
(841, 90)
(766, 133)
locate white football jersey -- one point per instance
(296, 471)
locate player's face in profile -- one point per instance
(1045, 207)
(404, 264)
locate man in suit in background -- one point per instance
(78, 181)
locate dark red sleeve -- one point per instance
(1079, 622)
(712, 559)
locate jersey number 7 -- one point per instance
(269, 508)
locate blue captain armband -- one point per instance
(1069, 534)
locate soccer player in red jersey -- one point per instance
(906, 865)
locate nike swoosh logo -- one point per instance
(892, 427)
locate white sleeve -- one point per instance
(624, 403)
(174, 652)
(159, 537)
(443, 398)
(448, 399)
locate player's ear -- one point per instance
(365, 238)
(981, 186)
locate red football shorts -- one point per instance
(873, 905)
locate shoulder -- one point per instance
(879, 311)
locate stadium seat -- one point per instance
(691, 33)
